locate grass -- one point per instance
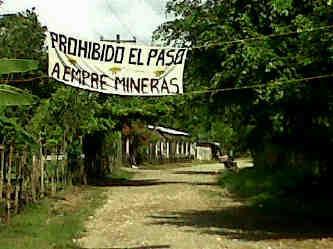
(285, 207)
(120, 174)
(286, 191)
(52, 224)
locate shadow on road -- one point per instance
(197, 173)
(143, 183)
(140, 247)
(247, 223)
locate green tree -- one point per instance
(287, 124)
(8, 94)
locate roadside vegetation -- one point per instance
(292, 194)
(46, 127)
(52, 222)
(270, 64)
(258, 80)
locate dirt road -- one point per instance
(183, 209)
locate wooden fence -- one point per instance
(26, 178)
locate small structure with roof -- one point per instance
(171, 145)
(206, 151)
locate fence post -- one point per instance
(33, 178)
(9, 185)
(18, 161)
(2, 167)
(42, 187)
(25, 177)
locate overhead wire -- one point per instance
(219, 44)
(6, 81)
(125, 25)
(218, 90)
(263, 37)
(275, 83)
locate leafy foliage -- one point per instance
(12, 96)
(284, 124)
(22, 36)
(8, 66)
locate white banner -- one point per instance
(116, 68)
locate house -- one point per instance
(156, 144)
(172, 145)
(206, 151)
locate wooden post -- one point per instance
(18, 181)
(162, 149)
(33, 179)
(63, 173)
(57, 170)
(2, 167)
(57, 178)
(186, 150)
(42, 187)
(156, 151)
(176, 149)
(65, 160)
(9, 185)
(52, 186)
(168, 150)
(127, 148)
(24, 177)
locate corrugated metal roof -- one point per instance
(168, 131)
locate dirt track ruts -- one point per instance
(182, 209)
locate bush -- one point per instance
(286, 182)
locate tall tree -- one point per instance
(244, 43)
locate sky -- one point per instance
(91, 19)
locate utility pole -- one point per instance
(118, 40)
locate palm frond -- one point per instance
(11, 96)
(8, 66)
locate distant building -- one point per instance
(161, 144)
(206, 151)
(156, 144)
(172, 145)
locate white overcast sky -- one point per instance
(90, 19)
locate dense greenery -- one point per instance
(52, 223)
(13, 96)
(285, 124)
(61, 120)
(289, 194)
(284, 119)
